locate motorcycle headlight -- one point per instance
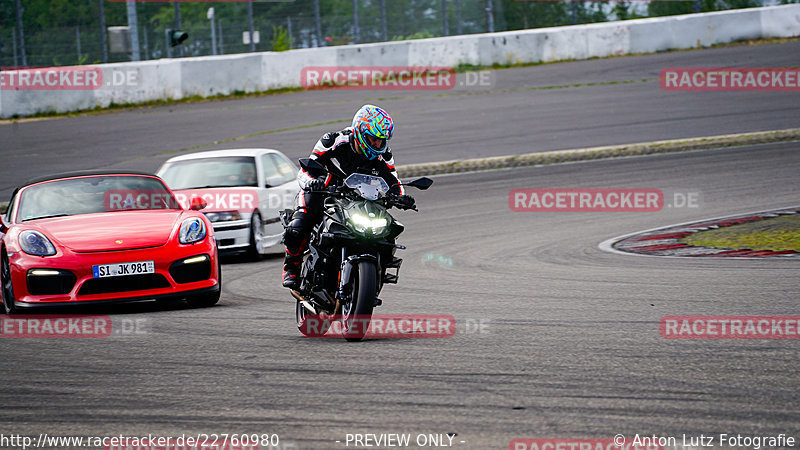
(35, 243)
(362, 223)
(192, 230)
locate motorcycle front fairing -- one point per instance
(345, 247)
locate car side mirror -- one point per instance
(273, 181)
(3, 227)
(198, 203)
(421, 183)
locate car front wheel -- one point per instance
(256, 249)
(9, 306)
(210, 298)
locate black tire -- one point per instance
(357, 319)
(302, 315)
(208, 299)
(256, 232)
(9, 306)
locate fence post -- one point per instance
(177, 7)
(78, 41)
(134, 30)
(320, 39)
(14, 45)
(356, 31)
(146, 42)
(384, 32)
(252, 27)
(103, 31)
(574, 12)
(289, 31)
(489, 16)
(21, 35)
(210, 16)
(445, 27)
(221, 40)
(459, 29)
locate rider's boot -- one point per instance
(291, 268)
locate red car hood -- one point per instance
(112, 231)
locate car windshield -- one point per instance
(93, 194)
(368, 186)
(210, 172)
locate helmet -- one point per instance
(372, 124)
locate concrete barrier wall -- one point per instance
(163, 79)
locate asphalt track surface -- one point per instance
(571, 346)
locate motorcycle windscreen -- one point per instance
(367, 186)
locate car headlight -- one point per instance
(362, 222)
(226, 216)
(35, 243)
(192, 230)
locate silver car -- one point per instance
(244, 189)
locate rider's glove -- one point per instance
(317, 184)
(404, 201)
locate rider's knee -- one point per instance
(297, 230)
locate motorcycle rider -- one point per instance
(360, 148)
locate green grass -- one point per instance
(776, 234)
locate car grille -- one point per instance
(123, 284)
(53, 282)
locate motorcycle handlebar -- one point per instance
(388, 200)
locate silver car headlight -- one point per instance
(225, 216)
(192, 230)
(35, 243)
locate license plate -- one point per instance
(123, 269)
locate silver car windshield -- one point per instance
(367, 186)
(214, 172)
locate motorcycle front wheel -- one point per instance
(356, 314)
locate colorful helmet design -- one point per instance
(372, 128)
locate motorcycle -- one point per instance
(351, 253)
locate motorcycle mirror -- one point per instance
(421, 183)
(312, 167)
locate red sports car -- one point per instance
(104, 237)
